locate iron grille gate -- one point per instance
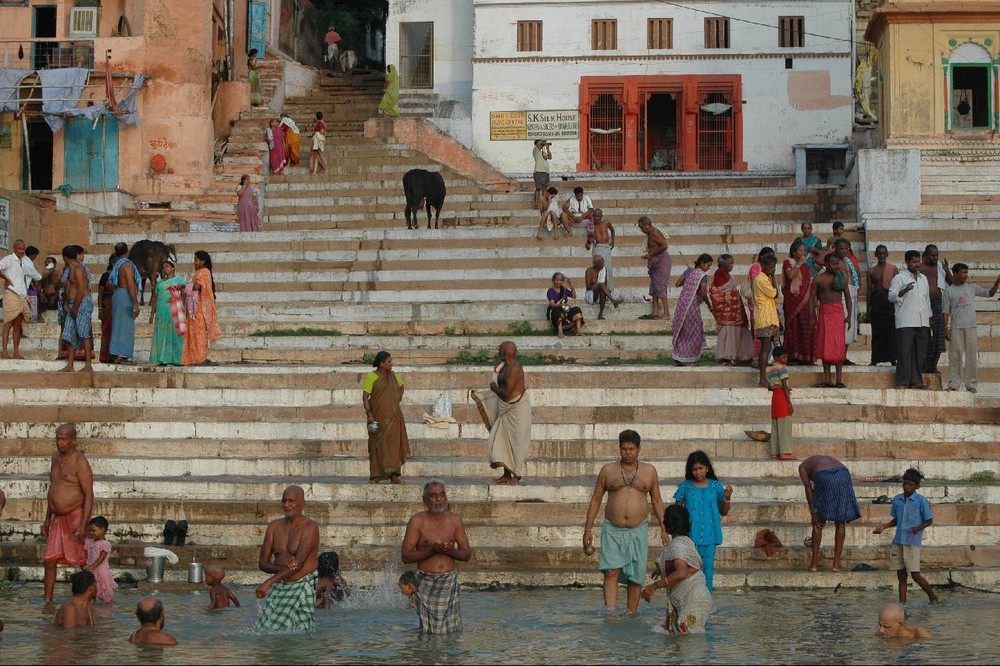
(606, 133)
(715, 133)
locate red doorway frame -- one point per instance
(631, 91)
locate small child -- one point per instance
(550, 214)
(331, 585)
(98, 554)
(706, 500)
(408, 586)
(781, 406)
(891, 624)
(958, 304)
(219, 594)
(911, 515)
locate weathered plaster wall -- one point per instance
(888, 180)
(36, 220)
(453, 42)
(10, 158)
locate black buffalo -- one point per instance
(420, 185)
(148, 256)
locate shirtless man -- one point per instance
(602, 240)
(598, 291)
(625, 533)
(434, 540)
(830, 496)
(891, 624)
(934, 271)
(881, 314)
(506, 411)
(827, 299)
(149, 612)
(658, 264)
(78, 610)
(71, 498)
(289, 553)
(80, 309)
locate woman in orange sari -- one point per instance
(734, 342)
(203, 326)
(388, 445)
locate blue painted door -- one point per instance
(257, 28)
(92, 154)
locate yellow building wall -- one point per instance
(11, 140)
(913, 75)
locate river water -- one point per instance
(517, 627)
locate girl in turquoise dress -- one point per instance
(707, 501)
(167, 343)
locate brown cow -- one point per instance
(149, 256)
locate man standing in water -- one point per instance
(625, 533)
(435, 539)
(70, 500)
(830, 496)
(506, 411)
(289, 552)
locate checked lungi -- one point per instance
(438, 602)
(833, 495)
(289, 607)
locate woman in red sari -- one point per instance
(275, 146)
(734, 342)
(795, 287)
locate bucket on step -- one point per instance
(196, 572)
(154, 568)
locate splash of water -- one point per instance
(383, 594)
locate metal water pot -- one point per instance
(196, 572)
(154, 568)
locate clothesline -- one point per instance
(62, 91)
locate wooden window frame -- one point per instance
(791, 32)
(606, 29)
(717, 33)
(659, 33)
(529, 36)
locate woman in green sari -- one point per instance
(389, 105)
(167, 343)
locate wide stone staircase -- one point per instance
(334, 277)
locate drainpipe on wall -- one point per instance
(230, 57)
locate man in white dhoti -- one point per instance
(506, 411)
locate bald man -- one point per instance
(891, 624)
(150, 614)
(289, 553)
(506, 412)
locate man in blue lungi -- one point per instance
(830, 496)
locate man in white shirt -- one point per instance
(17, 272)
(578, 208)
(910, 293)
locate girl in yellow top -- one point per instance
(767, 326)
(388, 445)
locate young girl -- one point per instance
(98, 552)
(781, 407)
(706, 501)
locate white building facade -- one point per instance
(633, 85)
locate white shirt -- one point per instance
(579, 208)
(913, 309)
(20, 272)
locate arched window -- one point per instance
(971, 105)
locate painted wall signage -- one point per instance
(4, 224)
(525, 125)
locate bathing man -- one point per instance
(435, 539)
(78, 610)
(891, 624)
(289, 552)
(70, 500)
(149, 612)
(830, 496)
(625, 533)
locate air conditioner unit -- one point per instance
(83, 22)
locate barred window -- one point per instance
(717, 33)
(529, 35)
(791, 31)
(604, 35)
(659, 33)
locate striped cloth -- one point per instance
(833, 495)
(289, 607)
(438, 603)
(177, 310)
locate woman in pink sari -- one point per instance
(247, 211)
(795, 287)
(275, 146)
(686, 325)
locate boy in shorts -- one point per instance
(911, 515)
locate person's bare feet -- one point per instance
(600, 316)
(394, 479)
(5, 355)
(836, 568)
(18, 356)
(374, 481)
(814, 567)
(67, 368)
(86, 368)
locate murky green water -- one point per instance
(517, 627)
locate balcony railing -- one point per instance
(46, 53)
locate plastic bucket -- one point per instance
(154, 568)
